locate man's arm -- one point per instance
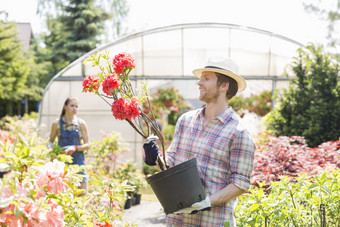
(223, 196)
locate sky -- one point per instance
(282, 17)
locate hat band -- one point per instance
(214, 67)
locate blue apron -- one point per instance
(71, 137)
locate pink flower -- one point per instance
(56, 215)
(123, 61)
(132, 108)
(91, 84)
(110, 83)
(52, 175)
(57, 184)
(118, 109)
(122, 109)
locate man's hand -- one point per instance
(199, 206)
(69, 149)
(151, 150)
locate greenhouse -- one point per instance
(166, 57)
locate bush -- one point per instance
(291, 156)
(300, 201)
(259, 104)
(43, 191)
(103, 154)
(311, 106)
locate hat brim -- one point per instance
(241, 83)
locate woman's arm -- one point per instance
(85, 137)
(54, 132)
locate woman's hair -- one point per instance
(233, 87)
(67, 101)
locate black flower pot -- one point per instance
(128, 204)
(138, 198)
(178, 187)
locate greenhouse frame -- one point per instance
(165, 57)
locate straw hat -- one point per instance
(224, 66)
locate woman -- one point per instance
(72, 135)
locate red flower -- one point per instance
(110, 83)
(122, 61)
(132, 108)
(122, 109)
(118, 109)
(91, 84)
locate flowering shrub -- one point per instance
(291, 156)
(260, 104)
(166, 101)
(104, 153)
(43, 191)
(113, 78)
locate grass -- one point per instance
(148, 194)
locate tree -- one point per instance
(75, 27)
(311, 105)
(14, 68)
(330, 12)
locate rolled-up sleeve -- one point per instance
(242, 160)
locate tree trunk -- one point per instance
(26, 104)
(19, 108)
(9, 108)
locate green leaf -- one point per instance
(253, 207)
(17, 212)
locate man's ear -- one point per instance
(225, 86)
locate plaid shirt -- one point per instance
(225, 154)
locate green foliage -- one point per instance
(259, 104)
(311, 105)
(14, 68)
(166, 103)
(23, 190)
(129, 174)
(292, 202)
(76, 26)
(239, 105)
(168, 132)
(104, 153)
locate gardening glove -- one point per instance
(49, 145)
(69, 149)
(151, 150)
(4, 168)
(199, 206)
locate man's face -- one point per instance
(209, 91)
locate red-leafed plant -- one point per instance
(290, 156)
(112, 82)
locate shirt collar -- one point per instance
(74, 120)
(223, 117)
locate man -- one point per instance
(222, 146)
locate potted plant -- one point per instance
(112, 83)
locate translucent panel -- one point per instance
(202, 43)
(255, 87)
(163, 54)
(250, 51)
(282, 53)
(55, 97)
(74, 70)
